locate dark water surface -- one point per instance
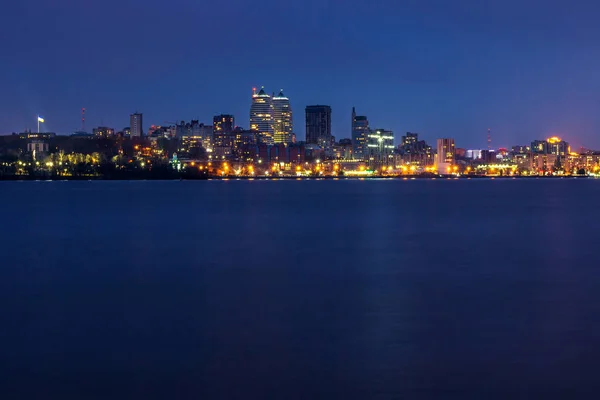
(300, 289)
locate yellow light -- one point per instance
(554, 140)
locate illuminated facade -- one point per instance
(318, 126)
(37, 147)
(445, 151)
(261, 116)
(380, 148)
(343, 149)
(360, 130)
(282, 119)
(553, 145)
(415, 152)
(135, 125)
(223, 126)
(223, 123)
(445, 154)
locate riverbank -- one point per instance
(274, 178)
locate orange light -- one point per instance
(554, 140)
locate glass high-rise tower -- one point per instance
(261, 116)
(318, 126)
(282, 119)
(360, 131)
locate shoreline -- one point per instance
(20, 178)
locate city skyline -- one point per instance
(444, 70)
(351, 134)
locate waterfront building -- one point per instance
(550, 155)
(223, 126)
(282, 119)
(473, 154)
(318, 126)
(360, 130)
(136, 125)
(261, 116)
(445, 156)
(558, 147)
(553, 145)
(488, 156)
(206, 133)
(413, 151)
(380, 148)
(343, 150)
(37, 148)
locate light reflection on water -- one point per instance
(349, 288)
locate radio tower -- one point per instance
(489, 139)
(83, 120)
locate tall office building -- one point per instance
(261, 116)
(360, 130)
(445, 155)
(282, 119)
(318, 126)
(380, 147)
(135, 124)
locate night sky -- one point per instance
(524, 69)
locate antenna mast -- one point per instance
(489, 139)
(83, 120)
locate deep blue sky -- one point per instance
(526, 69)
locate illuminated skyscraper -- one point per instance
(282, 119)
(318, 126)
(379, 147)
(360, 130)
(261, 116)
(135, 121)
